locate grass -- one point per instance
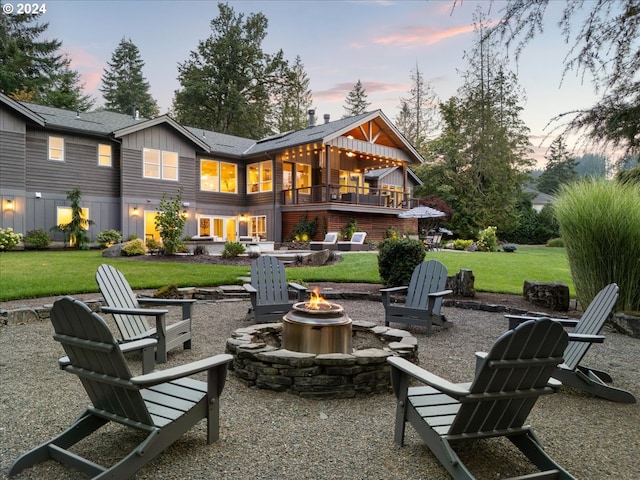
(48, 273)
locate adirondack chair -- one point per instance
(328, 243)
(164, 404)
(269, 290)
(127, 311)
(423, 298)
(510, 378)
(585, 332)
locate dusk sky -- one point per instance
(378, 42)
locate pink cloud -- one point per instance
(418, 36)
(88, 66)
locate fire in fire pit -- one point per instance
(317, 326)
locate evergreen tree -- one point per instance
(292, 99)
(35, 70)
(227, 82)
(418, 118)
(560, 168)
(480, 158)
(356, 101)
(124, 87)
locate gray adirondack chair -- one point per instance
(508, 381)
(269, 290)
(163, 404)
(130, 317)
(423, 298)
(585, 332)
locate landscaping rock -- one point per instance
(551, 295)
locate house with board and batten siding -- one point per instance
(349, 169)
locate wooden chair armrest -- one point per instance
(428, 378)
(249, 288)
(151, 312)
(441, 293)
(297, 286)
(583, 337)
(141, 344)
(394, 289)
(165, 301)
(181, 371)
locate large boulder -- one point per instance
(113, 251)
(551, 295)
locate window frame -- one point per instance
(68, 211)
(102, 156)
(51, 148)
(218, 188)
(262, 184)
(254, 224)
(162, 168)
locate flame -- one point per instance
(316, 302)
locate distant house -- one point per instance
(355, 168)
(539, 200)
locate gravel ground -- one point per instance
(268, 435)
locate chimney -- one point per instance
(312, 118)
(327, 117)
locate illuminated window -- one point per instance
(303, 178)
(258, 226)
(218, 176)
(260, 177)
(222, 228)
(160, 164)
(56, 149)
(64, 216)
(104, 155)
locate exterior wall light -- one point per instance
(9, 205)
(135, 212)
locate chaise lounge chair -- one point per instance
(355, 244)
(328, 243)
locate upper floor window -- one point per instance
(160, 164)
(56, 149)
(104, 155)
(260, 177)
(218, 176)
(303, 178)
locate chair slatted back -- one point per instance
(331, 237)
(511, 377)
(428, 277)
(118, 294)
(358, 237)
(97, 360)
(268, 277)
(591, 322)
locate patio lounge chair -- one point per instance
(585, 332)
(423, 298)
(328, 243)
(163, 404)
(129, 316)
(355, 244)
(509, 379)
(269, 290)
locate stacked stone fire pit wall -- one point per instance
(259, 361)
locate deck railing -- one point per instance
(347, 195)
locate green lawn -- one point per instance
(47, 273)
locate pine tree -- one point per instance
(35, 70)
(227, 82)
(124, 87)
(293, 99)
(356, 101)
(418, 117)
(560, 168)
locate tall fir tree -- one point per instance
(356, 101)
(226, 83)
(293, 99)
(35, 70)
(560, 168)
(124, 87)
(418, 117)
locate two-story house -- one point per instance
(350, 169)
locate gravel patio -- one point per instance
(269, 435)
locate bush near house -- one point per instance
(8, 239)
(134, 247)
(107, 238)
(397, 259)
(232, 249)
(38, 239)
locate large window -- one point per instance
(258, 226)
(220, 228)
(64, 215)
(218, 176)
(160, 164)
(260, 177)
(303, 178)
(56, 149)
(104, 155)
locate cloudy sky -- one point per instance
(377, 42)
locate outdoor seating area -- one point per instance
(354, 244)
(260, 427)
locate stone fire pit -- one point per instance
(259, 360)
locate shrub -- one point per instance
(304, 230)
(392, 232)
(349, 229)
(8, 239)
(152, 244)
(600, 224)
(459, 244)
(487, 240)
(76, 230)
(556, 242)
(232, 249)
(397, 258)
(107, 238)
(133, 248)
(170, 223)
(39, 239)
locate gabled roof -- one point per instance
(166, 120)
(222, 143)
(21, 109)
(380, 173)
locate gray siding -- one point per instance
(13, 173)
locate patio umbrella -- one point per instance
(422, 211)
